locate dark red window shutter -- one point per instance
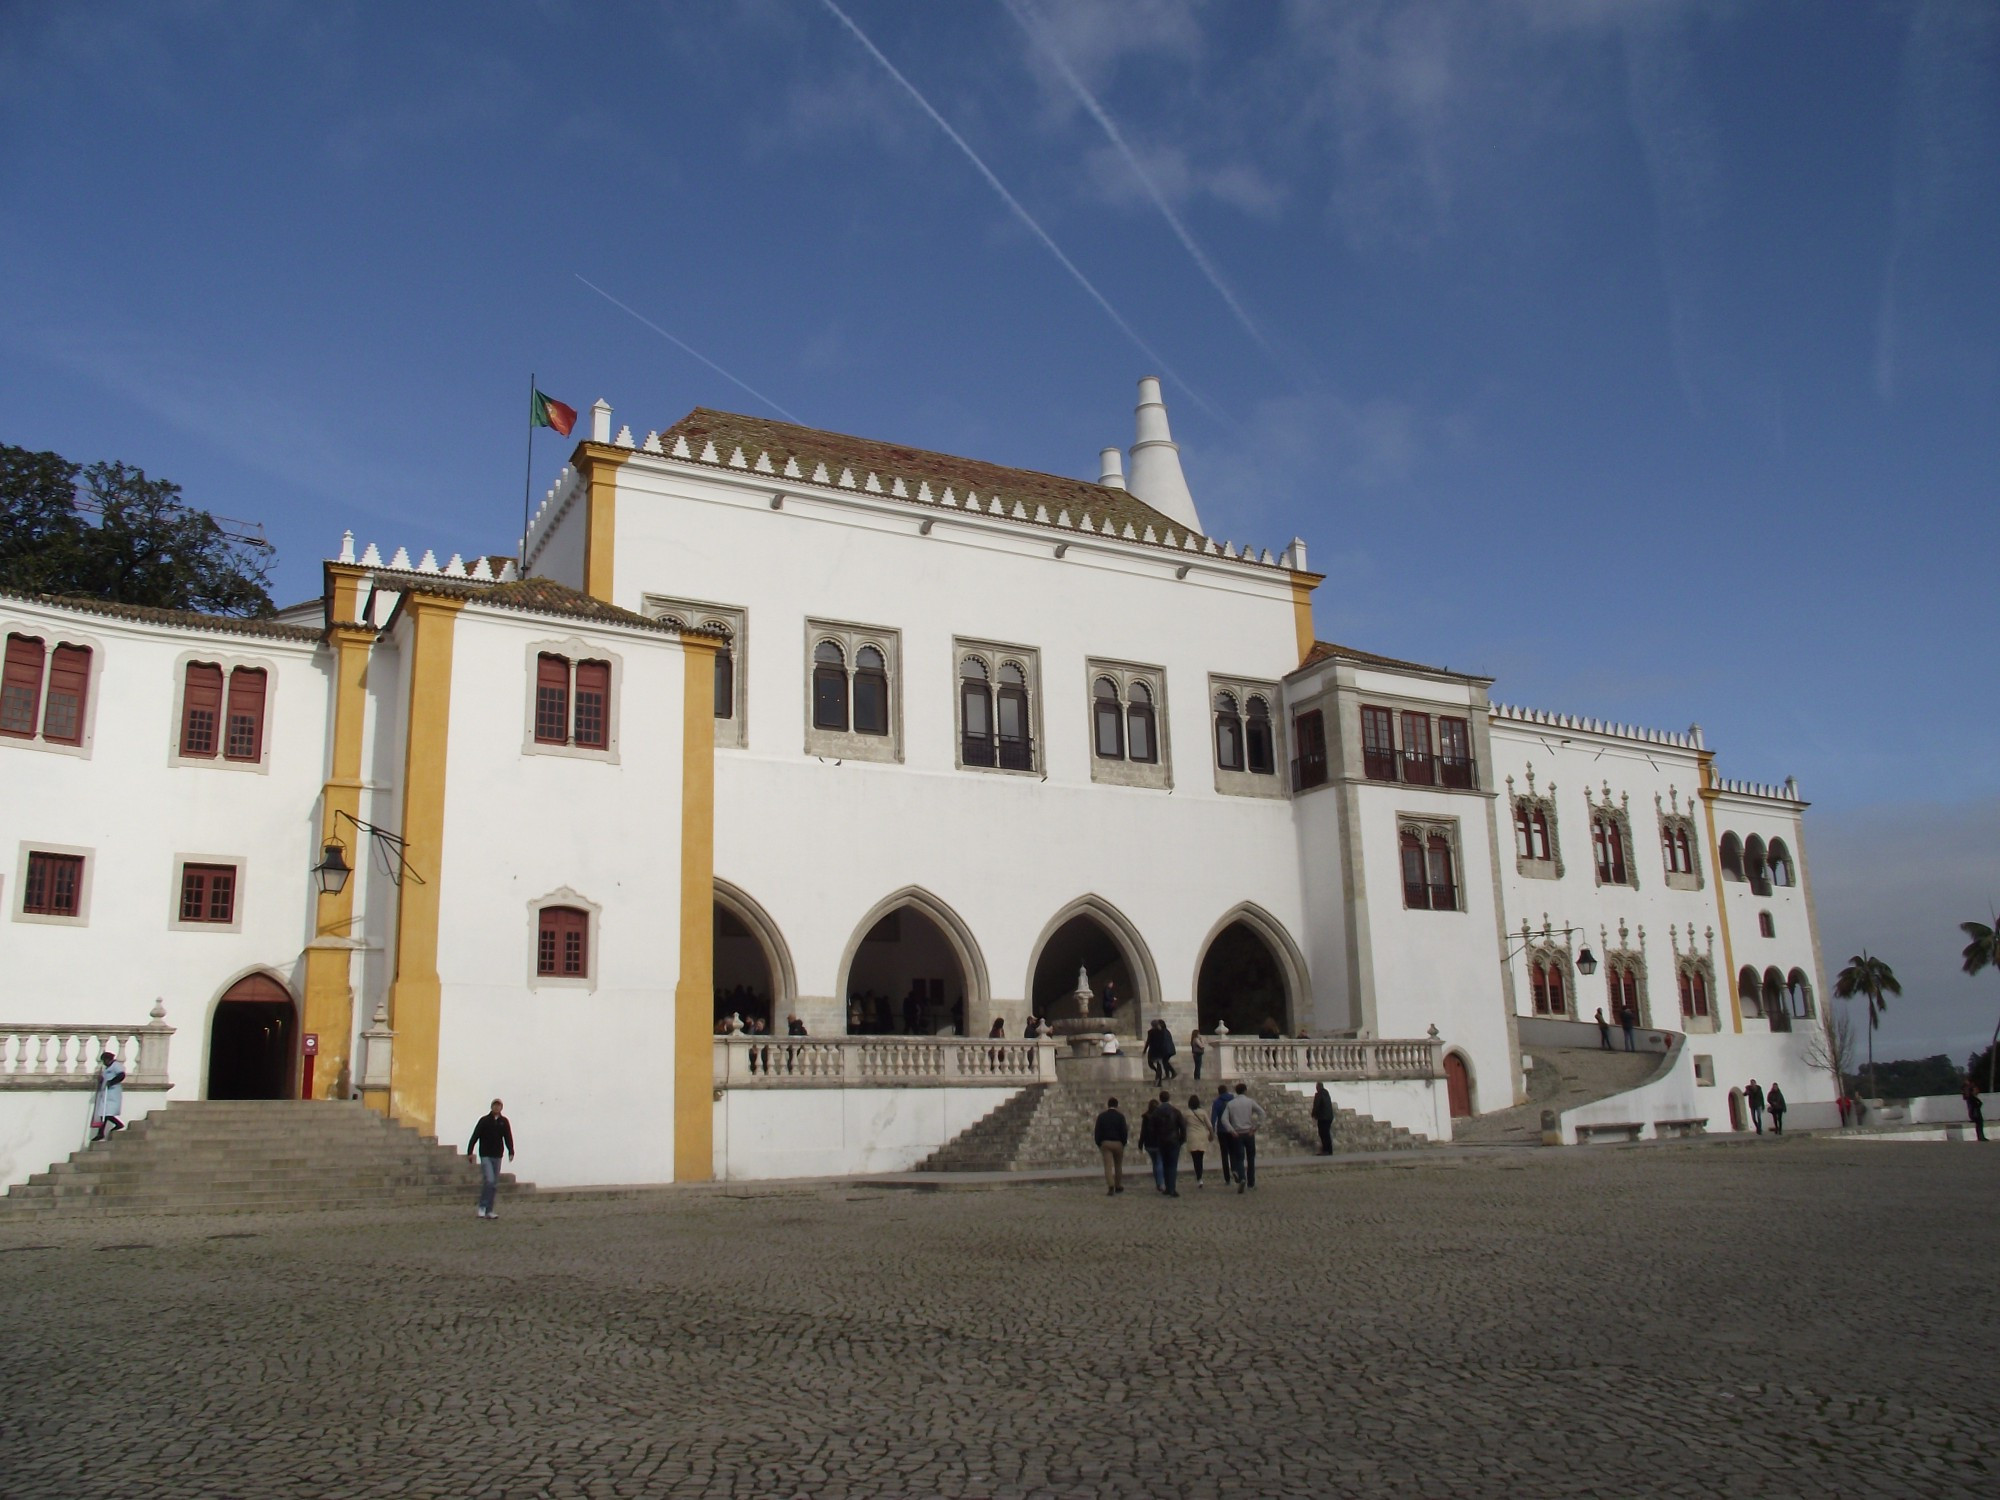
(54, 886)
(69, 688)
(1444, 879)
(1309, 734)
(1417, 768)
(201, 709)
(593, 704)
(1416, 890)
(562, 948)
(1378, 744)
(21, 687)
(246, 714)
(551, 700)
(208, 893)
(1558, 1001)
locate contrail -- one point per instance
(1025, 17)
(688, 348)
(1021, 213)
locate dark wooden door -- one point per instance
(1458, 1086)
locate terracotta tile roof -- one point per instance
(186, 619)
(534, 596)
(1328, 651)
(809, 447)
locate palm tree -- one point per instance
(1984, 949)
(1868, 976)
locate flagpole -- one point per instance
(527, 482)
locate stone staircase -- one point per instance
(244, 1156)
(1561, 1078)
(1049, 1125)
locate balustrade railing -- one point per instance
(880, 1061)
(1367, 1057)
(65, 1057)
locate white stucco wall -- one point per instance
(585, 1069)
(1417, 1105)
(40, 1127)
(765, 1133)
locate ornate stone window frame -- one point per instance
(1157, 774)
(593, 951)
(573, 649)
(732, 733)
(1620, 814)
(1558, 956)
(1701, 964)
(1248, 783)
(1632, 960)
(1425, 827)
(1674, 820)
(229, 662)
(994, 655)
(1542, 800)
(837, 744)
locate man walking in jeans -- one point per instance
(1241, 1117)
(490, 1137)
(1111, 1135)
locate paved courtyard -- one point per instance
(1805, 1318)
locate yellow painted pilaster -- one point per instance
(1303, 585)
(599, 466)
(694, 996)
(414, 998)
(1708, 795)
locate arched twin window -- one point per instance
(1798, 994)
(572, 702)
(222, 714)
(1676, 849)
(1545, 978)
(1730, 852)
(1780, 859)
(856, 702)
(1694, 992)
(1607, 841)
(1531, 829)
(1244, 740)
(994, 714)
(1749, 992)
(1127, 729)
(43, 692)
(1430, 870)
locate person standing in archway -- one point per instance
(490, 1137)
(1110, 1000)
(107, 1102)
(1322, 1113)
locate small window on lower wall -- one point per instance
(207, 896)
(54, 885)
(562, 948)
(1704, 1070)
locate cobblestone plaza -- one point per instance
(1800, 1318)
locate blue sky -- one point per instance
(1644, 356)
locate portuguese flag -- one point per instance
(549, 412)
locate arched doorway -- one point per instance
(1090, 938)
(911, 972)
(1243, 983)
(1457, 1086)
(1736, 1121)
(253, 1041)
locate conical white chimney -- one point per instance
(1111, 468)
(1156, 462)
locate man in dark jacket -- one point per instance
(1754, 1097)
(1322, 1112)
(1215, 1109)
(1775, 1103)
(1111, 1135)
(490, 1137)
(1169, 1129)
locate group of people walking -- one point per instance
(1229, 1122)
(1759, 1102)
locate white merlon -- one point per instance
(847, 479)
(1149, 536)
(737, 460)
(924, 492)
(456, 567)
(872, 484)
(1156, 460)
(792, 470)
(708, 453)
(898, 489)
(508, 572)
(949, 498)
(625, 437)
(482, 571)
(681, 448)
(1111, 468)
(1130, 534)
(820, 476)
(652, 444)
(371, 558)
(1062, 519)
(1020, 511)
(1266, 559)
(401, 559)
(1085, 523)
(600, 421)
(428, 563)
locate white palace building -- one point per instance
(782, 723)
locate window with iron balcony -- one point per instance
(1378, 744)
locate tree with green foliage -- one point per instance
(1865, 975)
(144, 545)
(1979, 954)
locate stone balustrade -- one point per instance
(1304, 1057)
(65, 1057)
(743, 1062)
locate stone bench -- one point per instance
(1631, 1130)
(1680, 1128)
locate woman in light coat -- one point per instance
(1200, 1134)
(107, 1104)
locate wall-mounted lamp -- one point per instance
(1586, 961)
(333, 869)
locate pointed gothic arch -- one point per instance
(736, 906)
(1142, 1000)
(1286, 959)
(951, 926)
(252, 1037)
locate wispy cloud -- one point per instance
(1027, 219)
(1150, 180)
(686, 348)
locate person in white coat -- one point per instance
(107, 1104)
(1200, 1134)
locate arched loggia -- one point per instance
(912, 966)
(753, 972)
(1095, 937)
(1249, 971)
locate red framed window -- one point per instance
(246, 715)
(1417, 766)
(1416, 888)
(1546, 976)
(21, 686)
(593, 704)
(1309, 766)
(1607, 840)
(1623, 984)
(54, 887)
(1455, 753)
(1694, 993)
(551, 700)
(69, 688)
(1443, 873)
(562, 945)
(201, 709)
(1378, 744)
(208, 893)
